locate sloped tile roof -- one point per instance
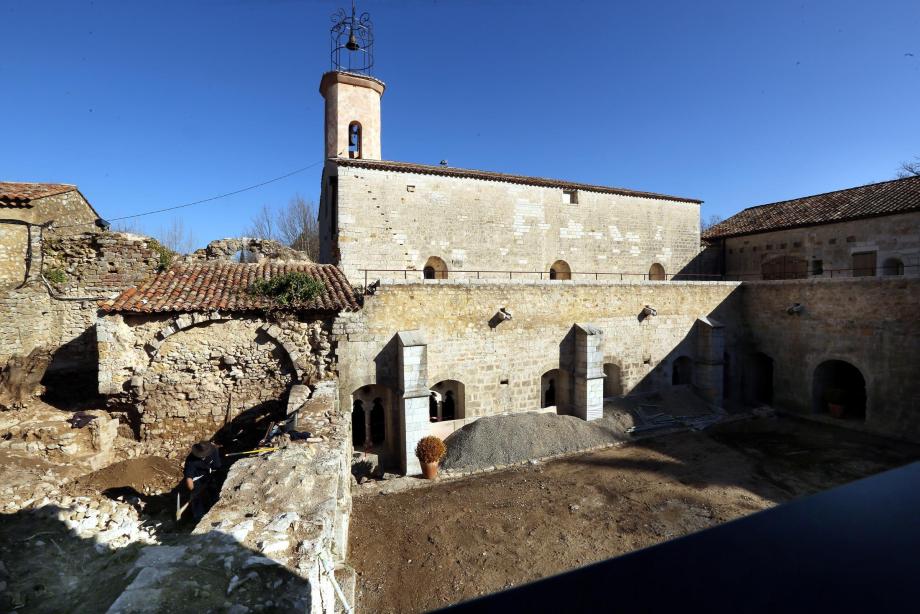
(14, 194)
(222, 286)
(886, 198)
(449, 171)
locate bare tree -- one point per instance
(909, 169)
(709, 222)
(129, 226)
(295, 225)
(176, 237)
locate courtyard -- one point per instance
(436, 545)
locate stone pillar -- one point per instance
(588, 374)
(709, 366)
(413, 397)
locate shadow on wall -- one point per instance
(72, 378)
(50, 566)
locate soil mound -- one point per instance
(503, 440)
(145, 475)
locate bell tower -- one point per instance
(352, 119)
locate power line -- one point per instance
(202, 201)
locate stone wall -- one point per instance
(64, 209)
(398, 220)
(502, 364)
(188, 375)
(890, 236)
(94, 266)
(872, 324)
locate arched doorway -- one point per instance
(435, 268)
(449, 400)
(560, 270)
(682, 372)
(358, 427)
(554, 390)
(839, 389)
(378, 422)
(613, 386)
(656, 273)
(758, 379)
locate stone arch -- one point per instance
(555, 390)
(187, 321)
(451, 400)
(379, 405)
(839, 388)
(892, 266)
(211, 377)
(656, 272)
(435, 268)
(682, 371)
(560, 270)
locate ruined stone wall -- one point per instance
(872, 324)
(94, 266)
(501, 367)
(890, 236)
(65, 210)
(398, 220)
(188, 373)
(247, 249)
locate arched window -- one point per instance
(449, 399)
(554, 390)
(892, 266)
(354, 140)
(435, 268)
(656, 272)
(560, 270)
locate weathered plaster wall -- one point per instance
(891, 236)
(396, 220)
(872, 324)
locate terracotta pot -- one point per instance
(430, 470)
(835, 410)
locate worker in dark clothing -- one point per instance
(201, 464)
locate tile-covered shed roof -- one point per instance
(222, 286)
(886, 198)
(15, 194)
(449, 171)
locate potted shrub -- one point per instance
(429, 452)
(835, 398)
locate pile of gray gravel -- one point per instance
(516, 438)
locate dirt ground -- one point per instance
(430, 547)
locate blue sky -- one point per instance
(150, 104)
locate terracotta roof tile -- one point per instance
(14, 194)
(223, 286)
(886, 198)
(449, 171)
